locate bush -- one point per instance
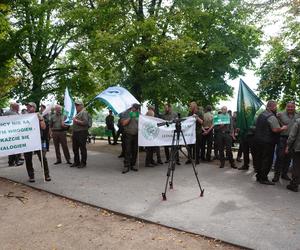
(97, 131)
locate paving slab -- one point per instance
(234, 208)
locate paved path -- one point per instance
(234, 208)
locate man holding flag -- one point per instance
(247, 106)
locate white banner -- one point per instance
(152, 135)
(117, 99)
(19, 134)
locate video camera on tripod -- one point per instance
(175, 148)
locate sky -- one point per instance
(271, 30)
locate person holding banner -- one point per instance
(31, 108)
(194, 150)
(129, 121)
(224, 136)
(14, 160)
(80, 134)
(169, 115)
(59, 134)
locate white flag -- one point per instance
(117, 99)
(150, 134)
(69, 108)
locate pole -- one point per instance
(42, 164)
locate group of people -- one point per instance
(52, 125)
(273, 138)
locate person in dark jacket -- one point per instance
(266, 137)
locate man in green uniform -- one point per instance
(169, 115)
(31, 108)
(266, 136)
(288, 117)
(80, 134)
(224, 135)
(129, 121)
(59, 134)
(293, 146)
(207, 134)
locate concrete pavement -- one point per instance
(234, 208)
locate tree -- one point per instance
(174, 51)
(41, 36)
(280, 68)
(6, 55)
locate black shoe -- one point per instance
(167, 161)
(115, 143)
(285, 177)
(222, 165)
(244, 167)
(149, 165)
(121, 156)
(188, 162)
(125, 170)
(178, 163)
(48, 178)
(238, 159)
(68, 162)
(266, 182)
(11, 164)
(154, 163)
(58, 162)
(31, 179)
(292, 188)
(82, 165)
(160, 162)
(233, 165)
(134, 169)
(276, 178)
(19, 163)
(74, 165)
(197, 162)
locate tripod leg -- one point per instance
(195, 171)
(171, 167)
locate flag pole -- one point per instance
(42, 164)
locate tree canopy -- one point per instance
(160, 50)
(280, 68)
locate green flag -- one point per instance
(247, 105)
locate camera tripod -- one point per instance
(175, 148)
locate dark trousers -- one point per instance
(79, 142)
(167, 154)
(29, 165)
(60, 137)
(13, 159)
(283, 160)
(296, 169)
(149, 155)
(264, 154)
(206, 146)
(216, 148)
(224, 142)
(157, 152)
(194, 149)
(131, 149)
(245, 148)
(113, 133)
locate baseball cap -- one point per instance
(32, 104)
